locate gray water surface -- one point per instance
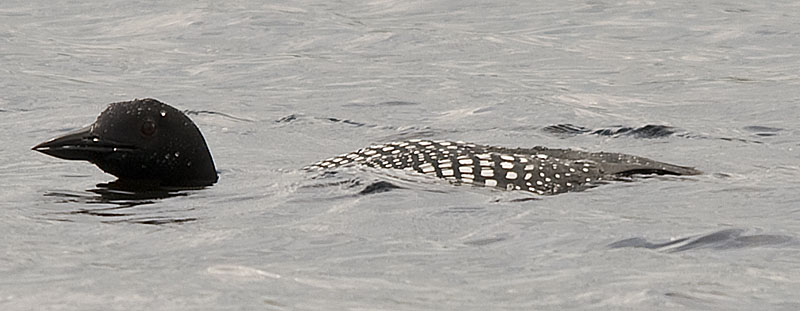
(278, 85)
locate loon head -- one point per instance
(143, 140)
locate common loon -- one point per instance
(145, 140)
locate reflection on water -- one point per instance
(651, 131)
(123, 202)
(723, 239)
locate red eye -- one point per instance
(148, 128)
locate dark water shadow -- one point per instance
(351, 184)
(354, 182)
(763, 131)
(378, 187)
(719, 240)
(563, 130)
(397, 132)
(216, 113)
(297, 117)
(647, 131)
(116, 202)
(654, 131)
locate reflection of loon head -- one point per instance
(142, 140)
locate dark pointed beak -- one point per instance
(79, 145)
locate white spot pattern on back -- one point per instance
(529, 169)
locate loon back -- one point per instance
(539, 169)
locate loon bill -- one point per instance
(539, 169)
(143, 141)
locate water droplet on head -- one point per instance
(163, 113)
(189, 163)
(177, 154)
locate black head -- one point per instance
(141, 140)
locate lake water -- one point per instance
(278, 85)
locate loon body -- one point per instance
(539, 169)
(147, 141)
